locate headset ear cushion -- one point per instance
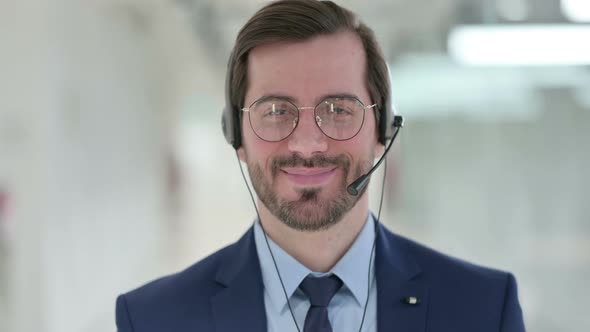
(236, 128)
(230, 127)
(230, 119)
(389, 121)
(226, 126)
(383, 123)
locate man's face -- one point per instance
(302, 179)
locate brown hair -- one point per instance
(298, 20)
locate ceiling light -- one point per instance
(520, 45)
(576, 10)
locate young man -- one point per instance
(308, 113)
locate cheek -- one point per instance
(256, 150)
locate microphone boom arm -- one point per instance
(359, 184)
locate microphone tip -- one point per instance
(358, 185)
(352, 190)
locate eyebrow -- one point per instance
(293, 100)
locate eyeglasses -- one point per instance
(274, 119)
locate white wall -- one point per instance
(86, 100)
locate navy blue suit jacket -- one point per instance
(224, 293)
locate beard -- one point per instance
(310, 212)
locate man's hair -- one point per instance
(300, 20)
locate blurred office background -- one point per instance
(113, 169)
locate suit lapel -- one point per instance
(398, 280)
(240, 306)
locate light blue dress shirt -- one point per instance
(345, 311)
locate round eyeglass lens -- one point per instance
(273, 119)
(340, 118)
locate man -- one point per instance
(307, 110)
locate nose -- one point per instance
(307, 139)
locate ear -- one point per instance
(242, 154)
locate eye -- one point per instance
(337, 109)
(275, 110)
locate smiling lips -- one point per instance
(306, 176)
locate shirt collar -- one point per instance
(351, 268)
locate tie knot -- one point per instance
(320, 290)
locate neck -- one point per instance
(319, 251)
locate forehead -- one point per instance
(306, 70)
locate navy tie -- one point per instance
(319, 291)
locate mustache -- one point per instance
(296, 160)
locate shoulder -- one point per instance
(173, 299)
(440, 266)
(461, 291)
(199, 277)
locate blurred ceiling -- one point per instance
(416, 26)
